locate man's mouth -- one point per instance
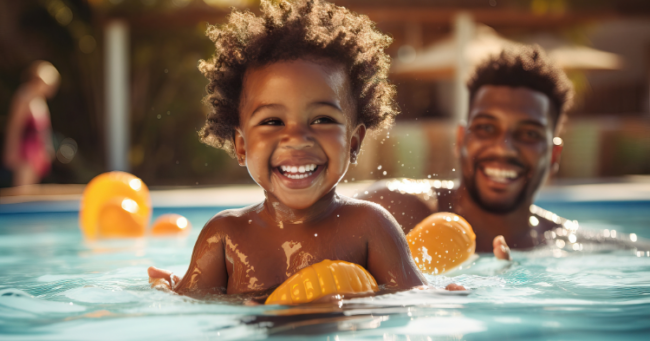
(297, 172)
(501, 175)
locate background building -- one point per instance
(131, 92)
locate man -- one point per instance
(507, 148)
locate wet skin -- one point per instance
(505, 152)
(297, 136)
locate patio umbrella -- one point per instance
(439, 60)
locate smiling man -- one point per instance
(507, 148)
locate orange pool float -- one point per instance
(170, 224)
(321, 279)
(441, 242)
(115, 205)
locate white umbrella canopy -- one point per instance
(576, 57)
(439, 60)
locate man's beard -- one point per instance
(496, 208)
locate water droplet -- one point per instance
(385, 173)
(379, 167)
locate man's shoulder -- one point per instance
(406, 191)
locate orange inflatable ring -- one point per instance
(441, 242)
(170, 224)
(115, 204)
(322, 279)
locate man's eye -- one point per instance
(323, 120)
(272, 122)
(484, 129)
(529, 136)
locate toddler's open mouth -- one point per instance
(298, 172)
(298, 176)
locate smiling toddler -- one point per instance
(292, 93)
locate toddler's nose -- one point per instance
(297, 136)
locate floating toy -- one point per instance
(325, 278)
(170, 224)
(441, 242)
(115, 204)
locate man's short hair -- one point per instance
(290, 30)
(525, 66)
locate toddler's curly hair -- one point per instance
(290, 30)
(526, 66)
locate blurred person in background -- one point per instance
(507, 149)
(28, 151)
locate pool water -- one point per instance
(56, 286)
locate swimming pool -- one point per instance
(56, 286)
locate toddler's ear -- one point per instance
(240, 148)
(355, 142)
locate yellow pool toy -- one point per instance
(170, 224)
(325, 278)
(115, 204)
(441, 242)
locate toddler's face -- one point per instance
(297, 129)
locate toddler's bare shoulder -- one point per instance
(369, 212)
(225, 221)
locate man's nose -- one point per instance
(297, 136)
(505, 145)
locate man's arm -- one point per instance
(407, 208)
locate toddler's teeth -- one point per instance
(301, 169)
(294, 169)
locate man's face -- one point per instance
(505, 150)
(297, 129)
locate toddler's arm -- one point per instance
(206, 273)
(389, 258)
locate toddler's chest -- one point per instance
(267, 262)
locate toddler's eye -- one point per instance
(323, 120)
(272, 122)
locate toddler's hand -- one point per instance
(501, 249)
(455, 287)
(162, 279)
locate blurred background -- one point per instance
(130, 92)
